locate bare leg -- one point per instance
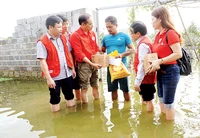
(70, 102)
(84, 97)
(95, 92)
(114, 95)
(170, 113)
(143, 102)
(126, 96)
(55, 107)
(150, 106)
(78, 94)
(162, 107)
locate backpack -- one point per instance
(184, 62)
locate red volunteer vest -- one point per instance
(149, 78)
(52, 57)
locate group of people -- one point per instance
(65, 60)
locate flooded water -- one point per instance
(25, 113)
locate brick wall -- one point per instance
(18, 53)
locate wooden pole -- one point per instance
(186, 31)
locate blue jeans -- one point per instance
(167, 79)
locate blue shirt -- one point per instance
(117, 42)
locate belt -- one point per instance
(164, 66)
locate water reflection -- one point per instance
(13, 126)
(25, 113)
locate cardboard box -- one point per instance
(147, 58)
(101, 59)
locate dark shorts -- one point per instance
(114, 85)
(76, 84)
(147, 91)
(66, 86)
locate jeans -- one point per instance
(167, 79)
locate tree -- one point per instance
(132, 11)
(194, 34)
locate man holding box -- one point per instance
(84, 44)
(117, 41)
(144, 84)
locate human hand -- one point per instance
(100, 52)
(119, 56)
(155, 65)
(96, 66)
(73, 73)
(137, 88)
(51, 83)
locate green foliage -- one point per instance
(194, 34)
(131, 15)
(152, 36)
(5, 79)
(101, 37)
(132, 11)
(193, 30)
(147, 7)
(9, 37)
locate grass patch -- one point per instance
(6, 79)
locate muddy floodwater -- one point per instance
(25, 113)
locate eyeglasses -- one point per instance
(131, 32)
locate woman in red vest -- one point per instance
(168, 52)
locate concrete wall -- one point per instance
(18, 53)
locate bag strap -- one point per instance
(167, 39)
(167, 35)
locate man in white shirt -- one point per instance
(56, 63)
(144, 83)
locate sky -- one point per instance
(12, 10)
(20, 9)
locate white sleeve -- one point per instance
(41, 50)
(69, 46)
(142, 52)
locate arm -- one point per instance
(44, 67)
(177, 53)
(103, 49)
(174, 44)
(129, 45)
(76, 45)
(70, 54)
(42, 55)
(73, 69)
(96, 66)
(143, 51)
(128, 52)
